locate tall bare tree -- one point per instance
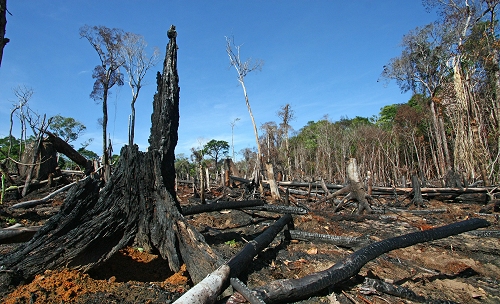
(243, 68)
(108, 45)
(136, 63)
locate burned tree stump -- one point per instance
(355, 188)
(137, 206)
(417, 199)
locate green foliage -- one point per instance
(346, 123)
(66, 128)
(114, 159)
(88, 154)
(183, 167)
(214, 148)
(387, 115)
(15, 151)
(231, 243)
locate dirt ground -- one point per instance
(461, 269)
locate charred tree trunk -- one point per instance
(3, 25)
(137, 206)
(417, 199)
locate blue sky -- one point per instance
(322, 57)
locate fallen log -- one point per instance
(17, 234)
(296, 289)
(43, 200)
(209, 288)
(343, 241)
(279, 209)
(486, 233)
(240, 287)
(306, 185)
(371, 285)
(195, 209)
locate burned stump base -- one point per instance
(133, 208)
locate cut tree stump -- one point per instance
(137, 206)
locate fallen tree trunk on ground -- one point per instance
(209, 288)
(44, 200)
(17, 234)
(343, 241)
(296, 289)
(195, 209)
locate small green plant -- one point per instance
(11, 221)
(231, 243)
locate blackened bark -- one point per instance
(3, 25)
(165, 117)
(137, 206)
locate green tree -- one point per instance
(214, 149)
(9, 147)
(67, 128)
(87, 153)
(386, 116)
(183, 168)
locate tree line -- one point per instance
(448, 130)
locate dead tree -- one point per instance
(137, 206)
(3, 23)
(354, 189)
(417, 199)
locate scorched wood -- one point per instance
(136, 206)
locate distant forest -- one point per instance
(449, 129)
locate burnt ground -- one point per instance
(461, 269)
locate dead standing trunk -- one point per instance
(357, 192)
(3, 25)
(137, 207)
